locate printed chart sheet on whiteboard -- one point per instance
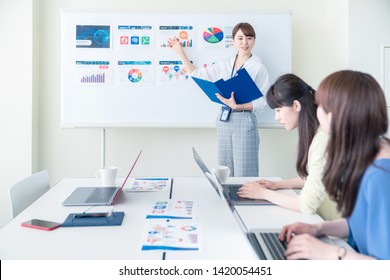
(118, 71)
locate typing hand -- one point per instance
(289, 231)
(307, 247)
(272, 185)
(252, 190)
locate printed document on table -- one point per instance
(172, 235)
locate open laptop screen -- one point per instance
(212, 179)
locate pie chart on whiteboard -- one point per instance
(213, 35)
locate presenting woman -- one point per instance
(237, 133)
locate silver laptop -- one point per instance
(94, 196)
(207, 173)
(267, 244)
(228, 190)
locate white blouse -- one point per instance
(223, 70)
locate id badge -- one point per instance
(225, 114)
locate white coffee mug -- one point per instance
(222, 172)
(107, 175)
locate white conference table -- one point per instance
(90, 243)
(122, 242)
(223, 229)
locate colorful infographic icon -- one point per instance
(134, 75)
(165, 69)
(213, 35)
(188, 228)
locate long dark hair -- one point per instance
(358, 125)
(284, 92)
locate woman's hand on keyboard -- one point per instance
(289, 231)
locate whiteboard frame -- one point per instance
(385, 72)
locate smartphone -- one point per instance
(41, 224)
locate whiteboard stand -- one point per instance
(103, 148)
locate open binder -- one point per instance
(114, 219)
(245, 89)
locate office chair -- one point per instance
(26, 191)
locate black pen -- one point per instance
(90, 215)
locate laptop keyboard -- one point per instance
(101, 194)
(275, 246)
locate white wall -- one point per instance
(320, 46)
(367, 35)
(16, 95)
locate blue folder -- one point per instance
(245, 89)
(113, 220)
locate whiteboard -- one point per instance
(116, 70)
(386, 72)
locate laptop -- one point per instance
(229, 190)
(268, 246)
(95, 196)
(210, 176)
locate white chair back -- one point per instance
(26, 191)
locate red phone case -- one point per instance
(40, 227)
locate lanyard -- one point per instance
(234, 64)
